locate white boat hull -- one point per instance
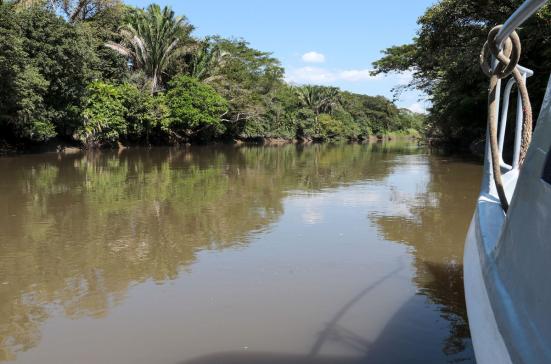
(487, 340)
(507, 262)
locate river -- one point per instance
(223, 254)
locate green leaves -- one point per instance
(32, 122)
(144, 112)
(319, 99)
(444, 61)
(58, 79)
(103, 115)
(195, 107)
(208, 61)
(124, 113)
(121, 113)
(396, 59)
(45, 65)
(152, 40)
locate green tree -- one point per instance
(124, 113)
(384, 115)
(208, 61)
(58, 78)
(247, 80)
(444, 61)
(280, 117)
(410, 120)
(146, 115)
(152, 40)
(104, 115)
(319, 99)
(104, 27)
(195, 109)
(357, 106)
(23, 87)
(73, 10)
(45, 65)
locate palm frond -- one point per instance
(119, 48)
(154, 38)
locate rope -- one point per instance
(508, 58)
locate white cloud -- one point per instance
(418, 108)
(356, 75)
(310, 75)
(321, 75)
(313, 57)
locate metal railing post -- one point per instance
(525, 11)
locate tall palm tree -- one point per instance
(152, 40)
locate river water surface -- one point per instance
(216, 255)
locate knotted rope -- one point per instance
(508, 59)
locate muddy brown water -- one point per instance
(214, 255)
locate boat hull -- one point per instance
(507, 259)
(488, 343)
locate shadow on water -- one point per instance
(399, 342)
(334, 331)
(394, 346)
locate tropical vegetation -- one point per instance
(98, 73)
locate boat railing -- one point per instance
(523, 13)
(519, 118)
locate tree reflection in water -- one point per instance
(77, 231)
(434, 221)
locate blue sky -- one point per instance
(320, 42)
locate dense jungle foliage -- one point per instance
(444, 59)
(98, 73)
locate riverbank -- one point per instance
(92, 97)
(59, 146)
(410, 135)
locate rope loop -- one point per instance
(508, 57)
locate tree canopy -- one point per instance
(152, 40)
(99, 73)
(444, 60)
(45, 67)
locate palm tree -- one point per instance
(152, 40)
(319, 99)
(207, 61)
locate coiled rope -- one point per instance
(508, 58)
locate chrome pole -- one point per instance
(526, 10)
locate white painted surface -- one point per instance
(487, 340)
(506, 258)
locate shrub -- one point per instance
(195, 108)
(349, 128)
(121, 112)
(307, 126)
(329, 127)
(103, 115)
(143, 112)
(31, 121)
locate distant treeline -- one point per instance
(98, 72)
